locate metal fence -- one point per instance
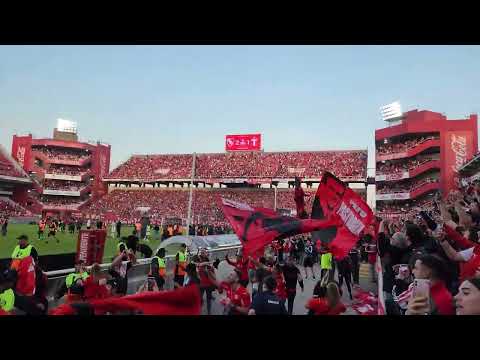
(137, 275)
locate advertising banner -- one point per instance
(392, 177)
(394, 196)
(61, 192)
(22, 151)
(63, 177)
(458, 149)
(249, 142)
(90, 246)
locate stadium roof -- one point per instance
(471, 166)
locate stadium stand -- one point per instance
(243, 165)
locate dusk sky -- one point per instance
(181, 99)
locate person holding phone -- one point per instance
(431, 268)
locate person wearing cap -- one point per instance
(158, 268)
(181, 264)
(292, 275)
(22, 250)
(267, 302)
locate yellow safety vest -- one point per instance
(19, 253)
(161, 266)
(7, 300)
(326, 261)
(73, 277)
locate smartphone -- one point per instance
(421, 287)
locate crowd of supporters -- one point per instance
(150, 167)
(399, 167)
(392, 148)
(407, 210)
(65, 170)
(9, 209)
(53, 184)
(174, 203)
(244, 165)
(62, 154)
(404, 187)
(431, 264)
(60, 200)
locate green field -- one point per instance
(67, 242)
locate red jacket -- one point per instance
(442, 298)
(320, 307)
(26, 277)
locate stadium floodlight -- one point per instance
(67, 126)
(391, 112)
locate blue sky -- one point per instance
(180, 99)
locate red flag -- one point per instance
(335, 197)
(184, 301)
(26, 277)
(258, 227)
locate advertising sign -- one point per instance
(394, 196)
(249, 142)
(90, 246)
(458, 149)
(391, 177)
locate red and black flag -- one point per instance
(335, 197)
(258, 227)
(184, 301)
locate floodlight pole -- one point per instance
(275, 201)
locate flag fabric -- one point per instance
(258, 227)
(26, 277)
(184, 301)
(335, 197)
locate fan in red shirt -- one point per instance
(95, 286)
(281, 290)
(206, 273)
(299, 197)
(242, 266)
(432, 268)
(330, 304)
(238, 299)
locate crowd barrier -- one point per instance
(137, 275)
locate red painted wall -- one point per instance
(458, 140)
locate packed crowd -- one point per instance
(150, 167)
(60, 200)
(408, 210)
(9, 209)
(407, 186)
(432, 265)
(244, 165)
(62, 154)
(400, 167)
(264, 286)
(52, 184)
(174, 203)
(392, 148)
(66, 170)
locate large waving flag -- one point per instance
(258, 227)
(334, 197)
(184, 301)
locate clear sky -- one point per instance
(180, 99)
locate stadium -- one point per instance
(68, 182)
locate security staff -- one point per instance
(158, 268)
(22, 250)
(73, 285)
(266, 302)
(181, 265)
(7, 295)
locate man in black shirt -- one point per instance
(118, 228)
(267, 303)
(291, 274)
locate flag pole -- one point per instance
(275, 203)
(190, 196)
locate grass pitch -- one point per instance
(67, 242)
